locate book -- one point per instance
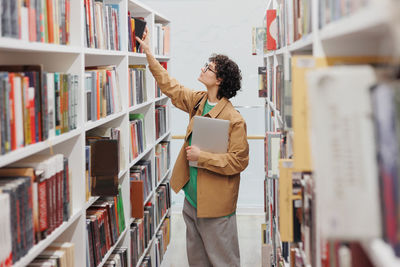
(140, 25)
(272, 29)
(344, 152)
(104, 163)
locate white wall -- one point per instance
(198, 29)
(202, 27)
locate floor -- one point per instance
(249, 241)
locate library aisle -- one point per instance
(250, 250)
(89, 137)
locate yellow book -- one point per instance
(300, 66)
(285, 200)
(301, 143)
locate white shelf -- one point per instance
(280, 51)
(105, 258)
(161, 98)
(29, 150)
(136, 55)
(151, 240)
(162, 57)
(380, 253)
(140, 156)
(148, 197)
(162, 137)
(103, 52)
(164, 178)
(367, 21)
(93, 124)
(122, 173)
(73, 59)
(43, 244)
(90, 202)
(139, 106)
(303, 44)
(11, 44)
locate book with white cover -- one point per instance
(343, 149)
(210, 135)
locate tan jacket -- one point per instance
(218, 175)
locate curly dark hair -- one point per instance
(229, 73)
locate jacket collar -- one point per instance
(217, 109)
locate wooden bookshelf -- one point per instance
(364, 32)
(73, 58)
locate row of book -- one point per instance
(162, 160)
(137, 84)
(56, 255)
(36, 21)
(35, 196)
(136, 27)
(142, 230)
(331, 10)
(284, 23)
(161, 39)
(162, 241)
(137, 140)
(105, 222)
(158, 92)
(271, 84)
(103, 96)
(163, 200)
(35, 105)
(118, 258)
(276, 86)
(102, 26)
(161, 120)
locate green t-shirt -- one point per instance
(190, 187)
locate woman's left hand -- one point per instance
(192, 153)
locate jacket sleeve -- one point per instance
(181, 96)
(235, 160)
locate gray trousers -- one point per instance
(210, 241)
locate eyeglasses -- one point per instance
(207, 67)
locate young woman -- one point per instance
(212, 188)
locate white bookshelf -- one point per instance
(73, 59)
(370, 31)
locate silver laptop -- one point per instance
(210, 135)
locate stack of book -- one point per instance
(161, 117)
(35, 196)
(137, 84)
(162, 161)
(102, 92)
(163, 201)
(57, 254)
(161, 39)
(35, 105)
(36, 21)
(158, 92)
(102, 25)
(137, 140)
(105, 221)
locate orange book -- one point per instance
(137, 210)
(50, 15)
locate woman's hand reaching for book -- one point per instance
(145, 41)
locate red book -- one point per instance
(272, 29)
(12, 113)
(31, 110)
